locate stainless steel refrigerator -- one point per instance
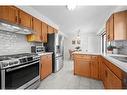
(55, 45)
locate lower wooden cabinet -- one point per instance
(46, 65)
(99, 68)
(111, 81)
(82, 67)
(86, 65)
(94, 69)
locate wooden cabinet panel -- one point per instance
(50, 30)
(108, 30)
(111, 80)
(114, 69)
(25, 19)
(44, 32)
(46, 66)
(37, 29)
(120, 25)
(82, 67)
(111, 27)
(55, 30)
(9, 13)
(94, 69)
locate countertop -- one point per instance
(45, 53)
(120, 64)
(89, 53)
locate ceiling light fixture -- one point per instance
(71, 5)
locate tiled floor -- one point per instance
(64, 79)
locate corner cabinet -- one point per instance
(116, 26)
(46, 65)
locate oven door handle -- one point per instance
(19, 67)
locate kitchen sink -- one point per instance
(123, 59)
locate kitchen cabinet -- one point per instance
(109, 29)
(120, 26)
(36, 26)
(44, 32)
(9, 14)
(82, 67)
(94, 67)
(111, 81)
(55, 30)
(86, 65)
(46, 65)
(25, 19)
(116, 26)
(50, 30)
(110, 75)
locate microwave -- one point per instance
(37, 49)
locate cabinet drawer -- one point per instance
(94, 57)
(82, 56)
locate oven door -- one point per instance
(20, 76)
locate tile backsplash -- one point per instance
(121, 45)
(12, 43)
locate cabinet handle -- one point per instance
(16, 19)
(106, 74)
(19, 20)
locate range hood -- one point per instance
(14, 28)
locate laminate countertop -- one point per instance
(45, 53)
(120, 64)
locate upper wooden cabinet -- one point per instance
(50, 30)
(9, 13)
(116, 26)
(17, 16)
(120, 26)
(25, 19)
(44, 32)
(36, 26)
(55, 30)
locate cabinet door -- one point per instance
(108, 30)
(113, 82)
(82, 67)
(25, 19)
(46, 65)
(9, 14)
(44, 32)
(50, 30)
(111, 28)
(37, 29)
(120, 26)
(94, 69)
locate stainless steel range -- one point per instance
(20, 71)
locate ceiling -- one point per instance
(86, 18)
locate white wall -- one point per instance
(89, 42)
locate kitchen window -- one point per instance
(103, 43)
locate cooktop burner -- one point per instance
(4, 58)
(17, 59)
